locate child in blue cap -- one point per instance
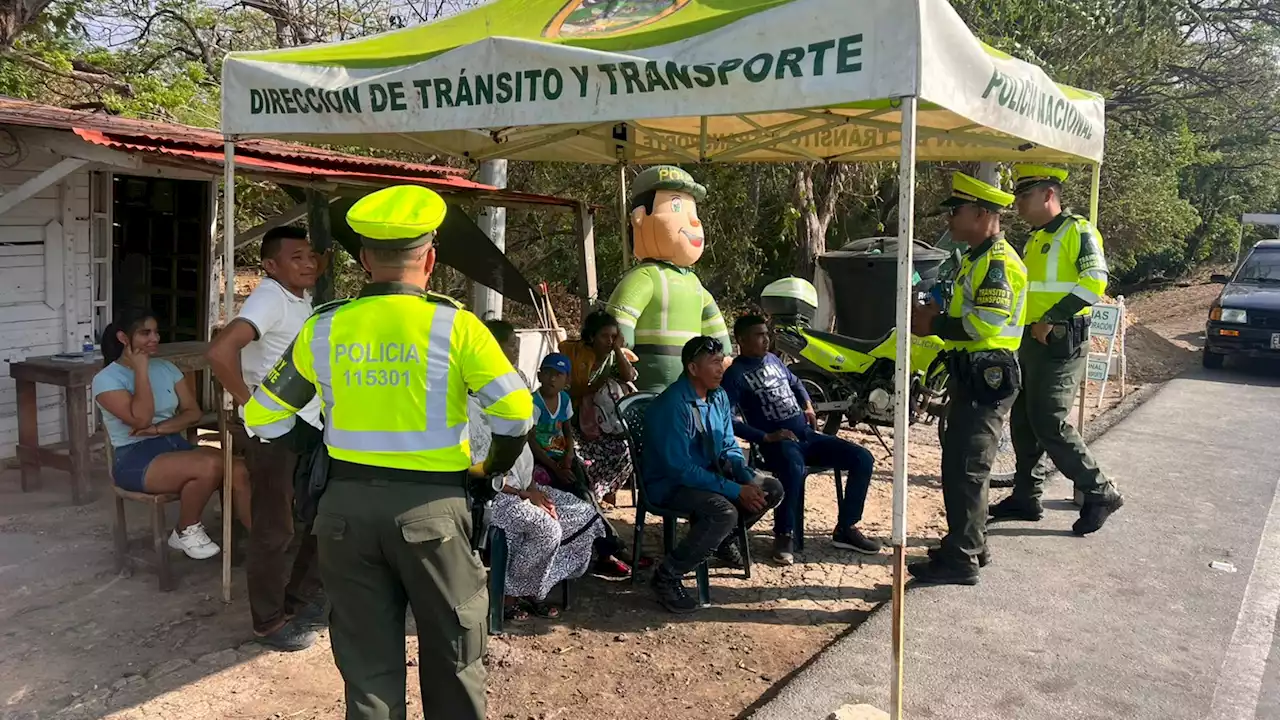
(550, 439)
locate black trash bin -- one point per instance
(864, 278)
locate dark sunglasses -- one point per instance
(707, 346)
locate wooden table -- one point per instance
(75, 376)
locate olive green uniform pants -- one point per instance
(1039, 426)
(969, 446)
(388, 545)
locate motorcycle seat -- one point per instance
(862, 345)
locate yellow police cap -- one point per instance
(1027, 176)
(403, 216)
(966, 190)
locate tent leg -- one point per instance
(228, 303)
(1095, 188)
(902, 385)
(623, 220)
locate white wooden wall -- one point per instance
(45, 285)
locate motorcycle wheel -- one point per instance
(1005, 464)
(819, 389)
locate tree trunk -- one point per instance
(816, 196)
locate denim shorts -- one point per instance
(132, 461)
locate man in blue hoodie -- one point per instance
(692, 463)
(776, 415)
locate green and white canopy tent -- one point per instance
(678, 81)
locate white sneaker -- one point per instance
(193, 541)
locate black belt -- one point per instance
(344, 470)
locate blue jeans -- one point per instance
(789, 462)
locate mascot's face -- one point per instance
(672, 232)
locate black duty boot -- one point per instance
(1094, 514)
(984, 557)
(672, 594)
(936, 572)
(1014, 508)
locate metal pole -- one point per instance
(902, 391)
(228, 303)
(1095, 187)
(493, 222)
(624, 221)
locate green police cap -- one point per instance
(1027, 176)
(966, 190)
(403, 216)
(667, 177)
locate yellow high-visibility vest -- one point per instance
(393, 369)
(990, 297)
(1064, 258)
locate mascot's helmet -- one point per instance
(667, 177)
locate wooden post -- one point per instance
(584, 223)
(318, 229)
(77, 422)
(28, 434)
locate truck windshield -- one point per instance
(1260, 267)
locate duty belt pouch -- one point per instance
(994, 376)
(1066, 338)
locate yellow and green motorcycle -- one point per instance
(851, 379)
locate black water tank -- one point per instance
(864, 277)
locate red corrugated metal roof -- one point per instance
(21, 112)
(186, 145)
(214, 158)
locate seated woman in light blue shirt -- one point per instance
(146, 407)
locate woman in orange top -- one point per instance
(599, 356)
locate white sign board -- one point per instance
(1101, 367)
(1106, 321)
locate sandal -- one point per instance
(514, 612)
(542, 609)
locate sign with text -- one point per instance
(1099, 367)
(1106, 321)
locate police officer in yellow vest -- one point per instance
(393, 368)
(1068, 274)
(982, 328)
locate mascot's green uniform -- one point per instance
(660, 303)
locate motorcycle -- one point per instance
(851, 379)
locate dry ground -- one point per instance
(76, 641)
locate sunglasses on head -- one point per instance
(707, 346)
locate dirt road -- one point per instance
(76, 641)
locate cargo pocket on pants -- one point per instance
(473, 633)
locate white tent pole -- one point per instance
(902, 390)
(623, 221)
(493, 223)
(1095, 188)
(228, 302)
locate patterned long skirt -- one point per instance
(608, 461)
(536, 559)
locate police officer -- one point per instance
(982, 328)
(393, 368)
(1067, 275)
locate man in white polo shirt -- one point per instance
(240, 356)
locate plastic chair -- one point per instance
(494, 545)
(632, 410)
(756, 460)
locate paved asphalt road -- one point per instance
(1130, 623)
